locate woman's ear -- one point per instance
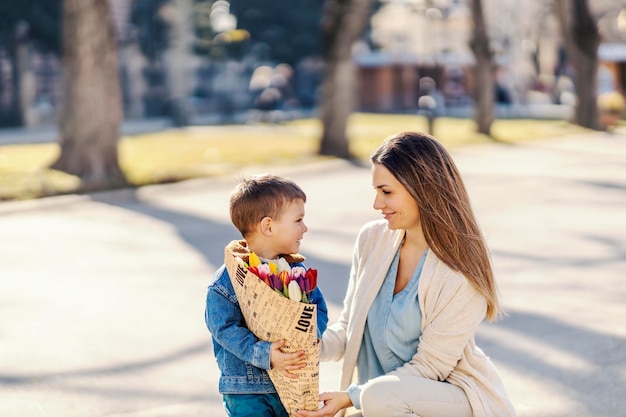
(266, 226)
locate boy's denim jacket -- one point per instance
(241, 357)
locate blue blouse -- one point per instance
(392, 329)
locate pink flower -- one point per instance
(297, 272)
(264, 270)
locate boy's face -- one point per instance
(288, 230)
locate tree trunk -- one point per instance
(16, 118)
(180, 61)
(485, 89)
(344, 23)
(581, 37)
(338, 103)
(92, 110)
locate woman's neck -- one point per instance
(415, 240)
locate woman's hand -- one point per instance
(333, 402)
(286, 363)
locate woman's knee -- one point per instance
(393, 396)
(377, 397)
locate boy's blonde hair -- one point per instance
(260, 196)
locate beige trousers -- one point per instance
(411, 396)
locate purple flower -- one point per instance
(276, 283)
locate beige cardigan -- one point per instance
(451, 311)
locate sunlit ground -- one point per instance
(102, 307)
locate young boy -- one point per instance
(268, 211)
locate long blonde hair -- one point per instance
(423, 166)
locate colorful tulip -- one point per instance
(301, 283)
(297, 272)
(276, 283)
(254, 259)
(283, 265)
(295, 283)
(263, 269)
(294, 291)
(284, 277)
(307, 285)
(311, 275)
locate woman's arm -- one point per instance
(333, 344)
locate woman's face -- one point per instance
(398, 207)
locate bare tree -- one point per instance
(582, 39)
(485, 87)
(343, 24)
(92, 109)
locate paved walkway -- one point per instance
(101, 301)
(129, 127)
(49, 133)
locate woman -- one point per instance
(421, 282)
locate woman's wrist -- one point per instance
(348, 401)
(353, 392)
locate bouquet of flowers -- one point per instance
(296, 282)
(275, 300)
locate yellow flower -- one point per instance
(254, 259)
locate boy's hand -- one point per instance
(285, 363)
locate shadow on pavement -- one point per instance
(209, 238)
(583, 362)
(109, 370)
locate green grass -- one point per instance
(179, 154)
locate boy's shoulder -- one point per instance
(297, 263)
(220, 276)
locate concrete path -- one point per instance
(102, 296)
(49, 133)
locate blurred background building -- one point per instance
(192, 60)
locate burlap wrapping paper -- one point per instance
(271, 317)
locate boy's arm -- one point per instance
(227, 325)
(322, 311)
